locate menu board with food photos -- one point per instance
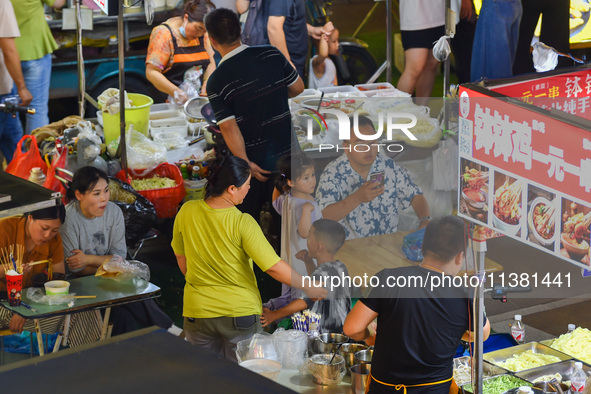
(525, 174)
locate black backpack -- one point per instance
(255, 28)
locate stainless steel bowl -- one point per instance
(192, 107)
(348, 351)
(550, 388)
(325, 373)
(327, 343)
(363, 356)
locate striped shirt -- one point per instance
(250, 86)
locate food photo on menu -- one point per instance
(574, 236)
(542, 211)
(474, 181)
(507, 204)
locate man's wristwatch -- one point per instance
(425, 218)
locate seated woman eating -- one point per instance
(38, 232)
(93, 232)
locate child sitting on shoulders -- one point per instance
(324, 241)
(323, 72)
(293, 200)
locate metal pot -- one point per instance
(325, 373)
(213, 136)
(363, 356)
(551, 387)
(348, 351)
(327, 343)
(360, 377)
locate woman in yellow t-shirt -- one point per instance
(215, 245)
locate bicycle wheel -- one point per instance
(360, 63)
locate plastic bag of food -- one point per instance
(119, 269)
(445, 166)
(37, 295)
(323, 372)
(143, 153)
(191, 87)
(139, 214)
(292, 348)
(412, 245)
(109, 101)
(170, 140)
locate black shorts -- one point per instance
(421, 38)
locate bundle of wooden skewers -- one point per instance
(12, 258)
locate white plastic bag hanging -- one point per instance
(545, 58)
(442, 50)
(143, 153)
(445, 166)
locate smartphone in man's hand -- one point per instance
(377, 177)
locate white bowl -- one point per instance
(476, 205)
(55, 287)
(511, 229)
(535, 236)
(268, 368)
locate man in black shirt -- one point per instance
(419, 327)
(248, 92)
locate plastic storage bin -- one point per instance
(341, 90)
(165, 200)
(138, 116)
(173, 125)
(195, 189)
(381, 89)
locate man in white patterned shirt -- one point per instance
(364, 207)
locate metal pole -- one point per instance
(480, 249)
(366, 19)
(81, 81)
(446, 68)
(121, 51)
(389, 51)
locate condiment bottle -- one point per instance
(571, 328)
(184, 172)
(518, 330)
(37, 176)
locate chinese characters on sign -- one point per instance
(526, 174)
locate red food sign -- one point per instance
(525, 173)
(570, 92)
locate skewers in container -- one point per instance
(8, 260)
(306, 321)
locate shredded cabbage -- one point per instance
(155, 182)
(527, 360)
(500, 384)
(576, 344)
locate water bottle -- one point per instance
(37, 176)
(571, 328)
(518, 330)
(578, 379)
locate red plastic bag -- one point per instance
(59, 161)
(23, 162)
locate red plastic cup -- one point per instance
(14, 288)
